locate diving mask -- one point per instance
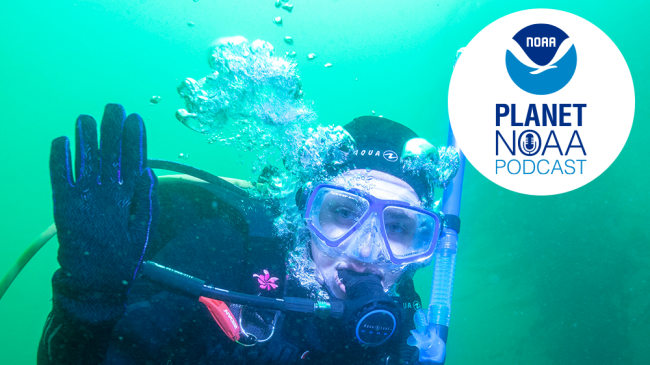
(353, 223)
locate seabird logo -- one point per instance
(390, 156)
(541, 59)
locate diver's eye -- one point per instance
(344, 213)
(395, 228)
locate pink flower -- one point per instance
(266, 282)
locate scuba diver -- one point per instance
(187, 269)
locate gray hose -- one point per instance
(24, 258)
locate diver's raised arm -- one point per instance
(105, 218)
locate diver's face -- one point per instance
(383, 186)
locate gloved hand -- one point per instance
(426, 339)
(105, 217)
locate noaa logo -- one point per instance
(555, 127)
(541, 59)
(390, 156)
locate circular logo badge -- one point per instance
(541, 102)
(541, 59)
(376, 327)
(390, 156)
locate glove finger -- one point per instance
(87, 154)
(111, 138)
(134, 150)
(144, 207)
(60, 167)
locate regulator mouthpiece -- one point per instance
(371, 315)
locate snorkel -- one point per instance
(437, 320)
(432, 327)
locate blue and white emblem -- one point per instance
(541, 59)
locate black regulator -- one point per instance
(371, 316)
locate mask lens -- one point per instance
(409, 232)
(335, 212)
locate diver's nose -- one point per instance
(365, 251)
(372, 229)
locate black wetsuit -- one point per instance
(202, 235)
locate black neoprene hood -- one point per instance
(379, 145)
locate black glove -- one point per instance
(105, 218)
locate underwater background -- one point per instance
(561, 279)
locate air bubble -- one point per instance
(155, 99)
(190, 120)
(439, 164)
(277, 21)
(252, 101)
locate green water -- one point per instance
(540, 280)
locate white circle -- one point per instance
(601, 80)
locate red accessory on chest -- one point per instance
(224, 317)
